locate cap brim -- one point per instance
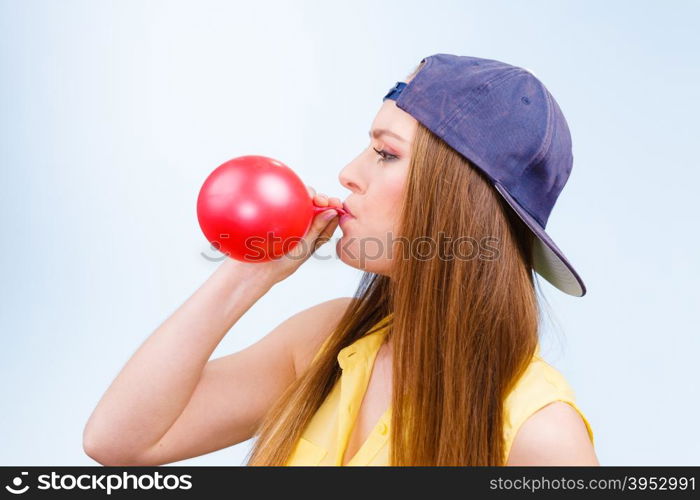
(547, 259)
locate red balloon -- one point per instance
(254, 208)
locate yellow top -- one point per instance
(324, 440)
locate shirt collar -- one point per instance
(364, 347)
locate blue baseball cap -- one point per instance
(507, 124)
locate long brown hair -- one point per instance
(463, 321)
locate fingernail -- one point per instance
(328, 214)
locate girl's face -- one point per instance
(376, 179)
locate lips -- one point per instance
(347, 210)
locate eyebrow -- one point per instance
(379, 131)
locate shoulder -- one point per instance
(544, 424)
(315, 324)
(554, 435)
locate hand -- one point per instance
(319, 232)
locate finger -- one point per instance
(334, 201)
(321, 200)
(305, 247)
(327, 232)
(311, 191)
(319, 223)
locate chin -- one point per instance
(350, 255)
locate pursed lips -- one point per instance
(347, 210)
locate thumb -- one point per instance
(321, 221)
(326, 233)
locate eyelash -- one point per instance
(384, 155)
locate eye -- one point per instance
(384, 155)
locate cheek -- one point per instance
(391, 194)
(375, 232)
(387, 202)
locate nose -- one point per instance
(348, 180)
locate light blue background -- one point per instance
(113, 113)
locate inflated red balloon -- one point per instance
(254, 208)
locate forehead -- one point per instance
(391, 117)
